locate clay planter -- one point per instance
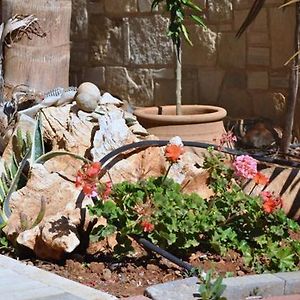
(197, 123)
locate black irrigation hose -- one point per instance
(146, 244)
(160, 143)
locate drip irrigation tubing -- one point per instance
(179, 262)
(107, 164)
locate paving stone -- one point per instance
(289, 297)
(64, 296)
(292, 282)
(237, 288)
(174, 290)
(31, 294)
(139, 297)
(265, 285)
(45, 283)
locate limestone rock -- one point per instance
(57, 233)
(277, 185)
(112, 134)
(68, 128)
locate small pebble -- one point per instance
(107, 274)
(96, 267)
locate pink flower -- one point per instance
(227, 138)
(245, 166)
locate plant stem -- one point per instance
(293, 89)
(164, 178)
(178, 52)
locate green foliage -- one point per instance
(25, 225)
(178, 9)
(229, 220)
(210, 289)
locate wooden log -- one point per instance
(41, 63)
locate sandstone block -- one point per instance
(79, 21)
(220, 11)
(282, 24)
(106, 38)
(95, 75)
(232, 51)
(258, 39)
(258, 80)
(279, 80)
(258, 56)
(148, 42)
(204, 51)
(135, 86)
(120, 7)
(237, 102)
(242, 4)
(209, 84)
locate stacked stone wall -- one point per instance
(122, 47)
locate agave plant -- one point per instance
(294, 73)
(26, 152)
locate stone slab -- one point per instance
(45, 283)
(64, 296)
(292, 279)
(237, 288)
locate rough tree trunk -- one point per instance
(293, 89)
(41, 63)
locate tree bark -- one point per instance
(293, 89)
(42, 63)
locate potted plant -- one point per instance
(192, 122)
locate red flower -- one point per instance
(260, 178)
(107, 191)
(173, 152)
(147, 226)
(93, 169)
(87, 178)
(89, 189)
(270, 202)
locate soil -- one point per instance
(131, 276)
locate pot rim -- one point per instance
(213, 114)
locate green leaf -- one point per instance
(41, 213)
(42, 159)
(192, 5)
(37, 148)
(13, 186)
(186, 35)
(198, 20)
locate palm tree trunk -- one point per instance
(40, 62)
(293, 89)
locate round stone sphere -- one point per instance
(86, 102)
(87, 97)
(89, 88)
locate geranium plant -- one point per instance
(177, 10)
(157, 209)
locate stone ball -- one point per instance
(86, 102)
(89, 88)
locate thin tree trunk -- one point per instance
(293, 89)
(178, 80)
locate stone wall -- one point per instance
(121, 46)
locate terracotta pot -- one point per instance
(197, 123)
